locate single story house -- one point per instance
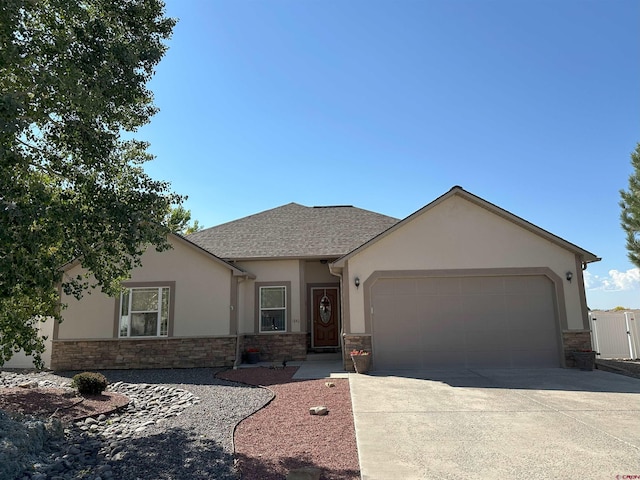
(459, 283)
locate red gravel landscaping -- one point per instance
(284, 436)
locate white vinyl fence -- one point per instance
(615, 334)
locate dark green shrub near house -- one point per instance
(90, 383)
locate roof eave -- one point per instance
(329, 258)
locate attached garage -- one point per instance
(501, 321)
(462, 283)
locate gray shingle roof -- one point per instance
(293, 230)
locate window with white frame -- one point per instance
(144, 312)
(273, 309)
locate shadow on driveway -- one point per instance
(524, 379)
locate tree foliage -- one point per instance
(73, 79)
(630, 205)
(178, 221)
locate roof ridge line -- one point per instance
(333, 206)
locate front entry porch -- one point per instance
(324, 315)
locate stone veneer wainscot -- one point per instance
(573, 340)
(188, 352)
(355, 342)
(275, 347)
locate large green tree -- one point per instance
(630, 204)
(73, 82)
(178, 221)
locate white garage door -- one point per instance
(464, 322)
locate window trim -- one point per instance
(171, 285)
(258, 309)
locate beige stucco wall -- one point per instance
(316, 272)
(268, 271)
(202, 296)
(457, 234)
(22, 360)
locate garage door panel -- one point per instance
(405, 310)
(542, 323)
(441, 338)
(489, 359)
(406, 339)
(386, 329)
(449, 308)
(435, 333)
(470, 322)
(443, 359)
(483, 323)
(533, 307)
(529, 284)
(404, 286)
(485, 340)
(479, 305)
(426, 286)
(407, 359)
(488, 322)
(531, 300)
(534, 358)
(531, 338)
(482, 286)
(448, 286)
(438, 336)
(382, 287)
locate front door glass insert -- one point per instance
(325, 309)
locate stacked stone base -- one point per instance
(276, 347)
(196, 352)
(577, 340)
(143, 353)
(355, 342)
(191, 352)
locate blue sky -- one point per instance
(533, 105)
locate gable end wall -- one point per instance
(459, 235)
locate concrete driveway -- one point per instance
(497, 424)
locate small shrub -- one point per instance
(90, 383)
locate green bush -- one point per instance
(90, 383)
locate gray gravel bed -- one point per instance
(196, 443)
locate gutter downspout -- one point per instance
(339, 275)
(238, 357)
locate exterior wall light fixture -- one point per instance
(569, 276)
(357, 282)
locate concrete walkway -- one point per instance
(315, 369)
(497, 424)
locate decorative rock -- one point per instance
(28, 385)
(307, 473)
(88, 444)
(318, 410)
(118, 456)
(330, 384)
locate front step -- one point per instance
(323, 357)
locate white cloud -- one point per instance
(624, 280)
(614, 282)
(589, 279)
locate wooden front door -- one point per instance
(326, 317)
